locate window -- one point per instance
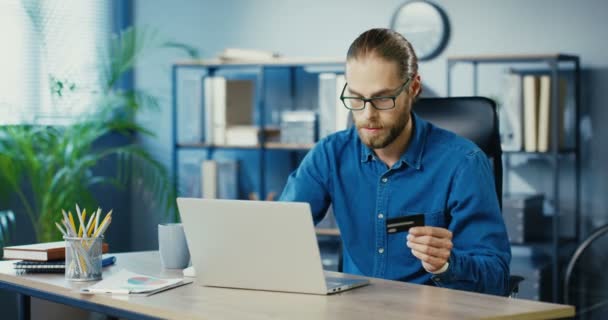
(50, 56)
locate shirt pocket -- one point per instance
(435, 218)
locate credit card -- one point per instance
(403, 224)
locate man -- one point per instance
(394, 164)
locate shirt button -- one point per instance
(380, 216)
(381, 250)
(384, 180)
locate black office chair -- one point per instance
(585, 280)
(474, 118)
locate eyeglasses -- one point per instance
(380, 103)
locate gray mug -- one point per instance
(172, 246)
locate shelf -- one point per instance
(554, 64)
(335, 232)
(269, 145)
(289, 146)
(209, 146)
(513, 58)
(542, 154)
(265, 62)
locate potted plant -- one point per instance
(50, 168)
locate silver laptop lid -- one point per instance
(253, 244)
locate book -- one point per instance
(333, 116)
(545, 112)
(511, 114)
(299, 127)
(218, 113)
(47, 251)
(52, 266)
(127, 282)
(228, 103)
(239, 102)
(209, 179)
(530, 89)
(544, 115)
(242, 136)
(219, 179)
(327, 104)
(209, 87)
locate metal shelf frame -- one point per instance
(555, 63)
(255, 70)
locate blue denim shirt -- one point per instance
(444, 176)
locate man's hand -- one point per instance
(431, 245)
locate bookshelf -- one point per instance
(551, 64)
(279, 85)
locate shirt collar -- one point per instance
(413, 155)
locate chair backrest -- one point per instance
(473, 118)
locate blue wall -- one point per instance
(316, 28)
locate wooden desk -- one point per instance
(380, 300)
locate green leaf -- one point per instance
(192, 52)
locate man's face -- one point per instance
(369, 77)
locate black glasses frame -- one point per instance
(371, 100)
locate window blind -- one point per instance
(49, 59)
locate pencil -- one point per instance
(60, 229)
(97, 219)
(103, 226)
(66, 221)
(89, 226)
(72, 222)
(80, 218)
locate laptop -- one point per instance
(259, 245)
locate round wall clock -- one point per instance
(424, 25)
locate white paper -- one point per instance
(127, 282)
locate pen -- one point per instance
(108, 261)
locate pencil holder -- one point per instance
(83, 258)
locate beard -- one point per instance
(388, 131)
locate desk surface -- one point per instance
(380, 299)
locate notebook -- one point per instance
(52, 266)
(47, 251)
(127, 282)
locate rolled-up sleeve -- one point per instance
(310, 182)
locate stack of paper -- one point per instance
(127, 282)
